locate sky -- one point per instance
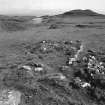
(49, 6)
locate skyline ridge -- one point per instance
(45, 12)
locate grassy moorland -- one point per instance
(35, 58)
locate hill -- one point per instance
(80, 12)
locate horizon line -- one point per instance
(46, 12)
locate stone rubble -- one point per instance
(81, 83)
(75, 58)
(95, 66)
(57, 76)
(10, 97)
(92, 71)
(32, 67)
(26, 67)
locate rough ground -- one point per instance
(54, 81)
